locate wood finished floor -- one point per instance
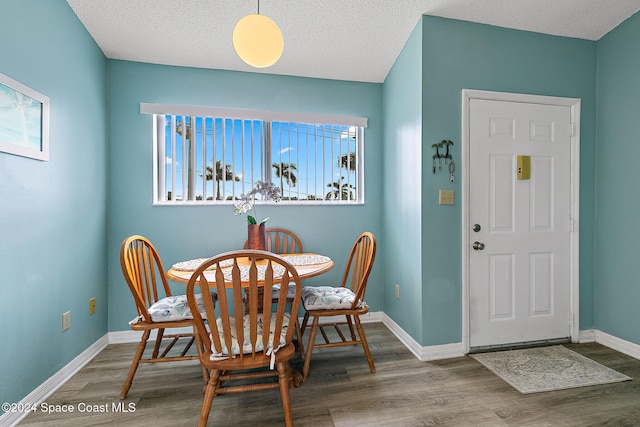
(340, 391)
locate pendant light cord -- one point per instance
(258, 7)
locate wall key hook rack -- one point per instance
(447, 157)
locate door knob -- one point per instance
(476, 227)
(477, 246)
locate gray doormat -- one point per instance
(534, 370)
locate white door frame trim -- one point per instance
(574, 104)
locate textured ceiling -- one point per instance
(355, 40)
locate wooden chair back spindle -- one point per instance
(245, 318)
(283, 241)
(359, 265)
(143, 271)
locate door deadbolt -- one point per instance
(476, 227)
(477, 246)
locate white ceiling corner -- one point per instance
(356, 40)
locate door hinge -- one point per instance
(571, 224)
(572, 129)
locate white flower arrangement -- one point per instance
(268, 191)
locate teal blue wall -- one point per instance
(616, 231)
(52, 214)
(402, 169)
(181, 233)
(461, 55)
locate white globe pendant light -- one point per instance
(257, 40)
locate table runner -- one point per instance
(299, 260)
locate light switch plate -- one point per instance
(446, 197)
(66, 320)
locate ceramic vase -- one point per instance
(256, 236)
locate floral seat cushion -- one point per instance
(235, 347)
(171, 309)
(328, 297)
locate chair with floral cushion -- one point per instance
(347, 300)
(283, 241)
(249, 336)
(157, 308)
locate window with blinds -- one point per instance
(209, 159)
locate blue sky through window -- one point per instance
(309, 154)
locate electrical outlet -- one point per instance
(66, 320)
(397, 291)
(92, 305)
(446, 197)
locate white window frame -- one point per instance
(265, 116)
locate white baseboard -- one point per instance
(448, 351)
(44, 390)
(587, 335)
(425, 354)
(618, 344)
(406, 339)
(444, 351)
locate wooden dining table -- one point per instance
(306, 264)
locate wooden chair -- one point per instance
(346, 299)
(283, 241)
(157, 308)
(243, 334)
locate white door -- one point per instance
(519, 257)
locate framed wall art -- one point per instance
(24, 120)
